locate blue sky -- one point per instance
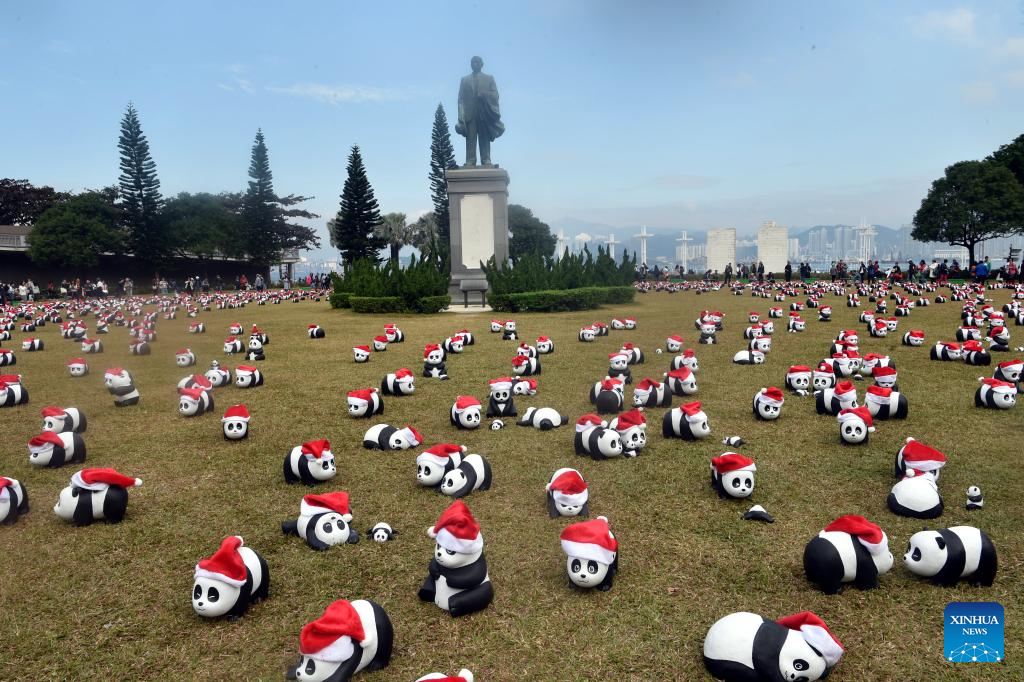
(674, 115)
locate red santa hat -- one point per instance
(675, 338)
(226, 564)
(644, 388)
(76, 361)
(916, 334)
(361, 349)
(501, 384)
(796, 371)
(683, 373)
(1011, 365)
(361, 397)
(880, 324)
(327, 502)
(411, 435)
(113, 373)
(949, 344)
(878, 395)
(627, 346)
(688, 353)
(403, 373)
(630, 318)
(618, 319)
(465, 402)
(44, 441)
(317, 449)
(330, 637)
(440, 454)
(851, 414)
(610, 384)
(531, 384)
(997, 386)
(381, 339)
(844, 389)
(100, 479)
(230, 339)
(732, 461)
(184, 351)
(826, 308)
(237, 413)
(589, 421)
(568, 487)
(51, 411)
(311, 326)
(881, 372)
(816, 633)
(497, 322)
(869, 534)
(617, 354)
(628, 420)
(245, 369)
(754, 313)
(772, 396)
(457, 531)
(191, 394)
(972, 346)
(518, 360)
(542, 339)
(693, 412)
(591, 540)
(430, 348)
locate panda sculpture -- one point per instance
(945, 351)
(607, 396)
(387, 437)
(196, 328)
(92, 346)
(798, 379)
(914, 337)
(247, 376)
(680, 382)
(310, 463)
(361, 353)
(433, 362)
(674, 343)
(255, 352)
(12, 392)
(139, 347)
(324, 521)
(851, 549)
(232, 345)
(95, 495)
(594, 438)
(823, 377)
(543, 418)
(545, 346)
(398, 383)
(521, 386)
(592, 554)
(687, 359)
(464, 676)
(1009, 370)
(7, 358)
(634, 356)
(382, 532)
(60, 420)
(396, 335)
(500, 402)
(975, 355)
(434, 463)
(524, 366)
(995, 394)
(752, 331)
(618, 367)
(832, 400)
(467, 337)
(230, 580)
(457, 580)
(744, 647)
(453, 344)
(235, 422)
(31, 345)
(733, 475)
(916, 495)
(235, 328)
(315, 331)
(949, 555)
(193, 402)
(185, 357)
(587, 334)
(508, 332)
(527, 350)
(878, 330)
(13, 500)
(965, 333)
(350, 637)
(707, 334)
(78, 367)
(749, 357)
(767, 403)
(998, 339)
(52, 450)
(855, 425)
(364, 403)
(473, 473)
(567, 494)
(885, 403)
(651, 393)
(218, 376)
(688, 421)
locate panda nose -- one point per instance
(583, 575)
(199, 603)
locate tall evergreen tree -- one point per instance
(353, 229)
(140, 192)
(265, 215)
(442, 158)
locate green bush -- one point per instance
(571, 271)
(377, 304)
(583, 298)
(339, 299)
(422, 279)
(431, 304)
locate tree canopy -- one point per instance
(21, 202)
(353, 230)
(529, 234)
(395, 232)
(204, 225)
(76, 232)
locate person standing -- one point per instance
(760, 272)
(833, 271)
(788, 271)
(728, 273)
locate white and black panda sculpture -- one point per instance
(380, 344)
(945, 351)
(31, 345)
(324, 521)
(543, 418)
(632, 429)
(545, 346)
(886, 403)
(592, 554)
(975, 355)
(594, 438)
(139, 347)
(350, 637)
(949, 555)
(396, 335)
(184, 357)
(310, 463)
(255, 352)
(399, 383)
(634, 356)
(434, 463)
(7, 358)
(524, 366)
(247, 376)
(315, 331)
(465, 412)
(674, 343)
(687, 359)
(92, 346)
(1009, 370)
(232, 345)
(193, 402)
(361, 353)
(823, 377)
(500, 402)
(387, 437)
(855, 425)
(767, 403)
(13, 500)
(382, 532)
(618, 367)
(364, 403)
(526, 350)
(607, 396)
(567, 494)
(744, 647)
(454, 344)
(235, 422)
(433, 362)
(798, 379)
(651, 393)
(968, 333)
(473, 473)
(62, 419)
(508, 332)
(916, 495)
(996, 394)
(914, 337)
(12, 391)
(230, 580)
(851, 549)
(52, 450)
(524, 386)
(95, 495)
(749, 357)
(78, 367)
(587, 334)
(196, 328)
(833, 400)
(464, 676)
(688, 421)
(680, 382)
(457, 580)
(218, 376)
(733, 475)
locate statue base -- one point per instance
(478, 215)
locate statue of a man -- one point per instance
(479, 116)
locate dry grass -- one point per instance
(108, 601)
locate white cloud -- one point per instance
(1016, 78)
(223, 86)
(955, 24)
(1012, 48)
(979, 92)
(244, 85)
(741, 79)
(341, 94)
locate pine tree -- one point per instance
(140, 193)
(352, 230)
(442, 158)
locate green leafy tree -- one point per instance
(442, 158)
(140, 193)
(75, 233)
(426, 238)
(529, 234)
(973, 202)
(204, 225)
(353, 229)
(268, 220)
(21, 202)
(1012, 157)
(395, 232)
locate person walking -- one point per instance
(833, 271)
(760, 272)
(728, 273)
(788, 270)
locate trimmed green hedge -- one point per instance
(584, 298)
(339, 299)
(431, 304)
(395, 304)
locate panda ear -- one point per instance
(941, 542)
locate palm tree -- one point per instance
(426, 237)
(394, 230)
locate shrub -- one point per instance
(583, 298)
(339, 299)
(432, 304)
(377, 304)
(571, 271)
(422, 279)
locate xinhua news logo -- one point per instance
(973, 632)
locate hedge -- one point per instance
(395, 304)
(339, 299)
(431, 304)
(584, 298)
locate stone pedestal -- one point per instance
(478, 213)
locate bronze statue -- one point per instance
(479, 116)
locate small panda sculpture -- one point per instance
(749, 357)
(433, 362)
(382, 532)
(12, 392)
(914, 337)
(543, 418)
(465, 412)
(315, 331)
(965, 333)
(235, 328)
(587, 334)
(185, 357)
(7, 358)
(975, 355)
(13, 500)
(945, 351)
(52, 450)
(823, 377)
(855, 425)
(767, 404)
(674, 343)
(361, 353)
(473, 473)
(1009, 370)
(618, 367)
(707, 334)
(232, 345)
(834, 400)
(364, 403)
(380, 344)
(996, 394)
(680, 382)
(527, 350)
(310, 463)
(651, 393)
(950, 555)
(744, 647)
(508, 332)
(632, 429)
(350, 637)
(396, 335)
(196, 381)
(196, 328)
(545, 346)
(235, 422)
(31, 345)
(255, 352)
(525, 366)
(398, 383)
(500, 402)
(434, 463)
(733, 475)
(457, 580)
(463, 676)
(634, 356)
(387, 437)
(851, 549)
(688, 421)
(78, 367)
(825, 313)
(761, 343)
(567, 494)
(607, 396)
(916, 495)
(60, 420)
(592, 554)
(247, 376)
(798, 379)
(218, 376)
(885, 403)
(886, 377)
(975, 500)
(230, 580)
(91, 346)
(324, 521)
(521, 386)
(467, 337)
(193, 402)
(453, 344)
(95, 495)
(594, 438)
(120, 384)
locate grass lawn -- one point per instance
(113, 601)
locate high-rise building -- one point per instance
(721, 249)
(794, 249)
(773, 246)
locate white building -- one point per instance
(794, 249)
(721, 248)
(773, 246)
